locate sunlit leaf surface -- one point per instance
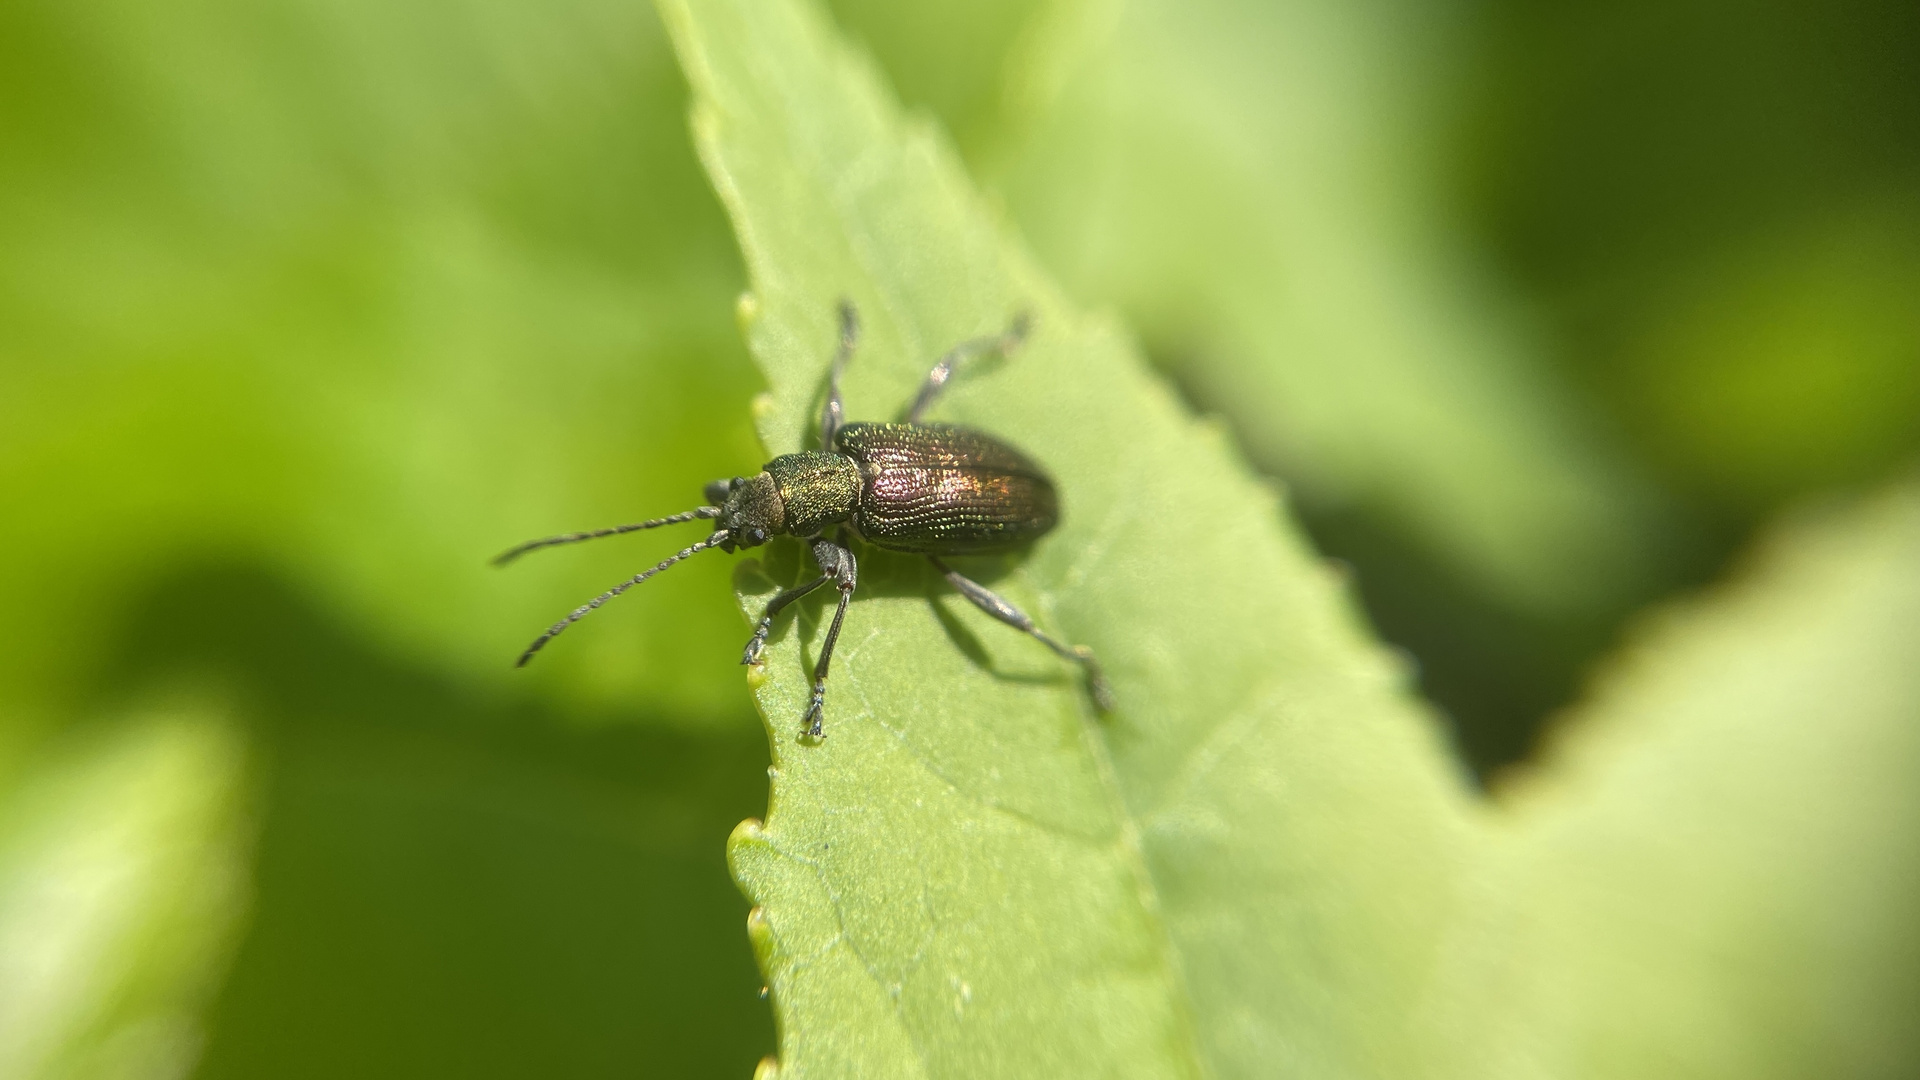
(973, 871)
(1262, 863)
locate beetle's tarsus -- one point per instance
(758, 642)
(811, 722)
(1101, 693)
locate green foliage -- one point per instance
(1252, 184)
(307, 310)
(1262, 861)
(1724, 227)
(1261, 189)
(364, 294)
(1713, 872)
(122, 883)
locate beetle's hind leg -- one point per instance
(993, 604)
(1004, 342)
(836, 563)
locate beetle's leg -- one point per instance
(993, 604)
(759, 639)
(836, 562)
(835, 412)
(1003, 343)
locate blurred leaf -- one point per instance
(1254, 186)
(1261, 863)
(1722, 216)
(1794, 365)
(446, 886)
(972, 874)
(352, 296)
(1715, 872)
(366, 292)
(945, 56)
(123, 860)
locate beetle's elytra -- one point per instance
(928, 489)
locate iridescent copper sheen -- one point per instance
(931, 488)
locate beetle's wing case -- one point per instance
(952, 490)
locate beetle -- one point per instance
(914, 487)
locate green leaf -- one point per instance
(1263, 862)
(945, 57)
(1253, 184)
(973, 873)
(123, 859)
(306, 310)
(1715, 870)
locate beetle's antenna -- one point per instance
(719, 536)
(513, 553)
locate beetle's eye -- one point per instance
(759, 536)
(735, 484)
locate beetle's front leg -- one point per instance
(759, 639)
(837, 563)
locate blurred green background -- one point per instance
(308, 308)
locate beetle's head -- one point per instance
(751, 510)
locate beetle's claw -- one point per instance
(810, 723)
(1097, 687)
(752, 653)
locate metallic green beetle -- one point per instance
(927, 489)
